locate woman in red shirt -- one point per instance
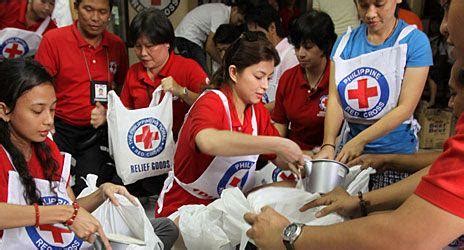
(226, 130)
(302, 91)
(35, 195)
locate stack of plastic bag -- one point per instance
(220, 225)
(123, 220)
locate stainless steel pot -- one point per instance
(322, 176)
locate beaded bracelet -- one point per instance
(70, 221)
(328, 144)
(37, 214)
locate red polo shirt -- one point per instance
(443, 186)
(138, 87)
(189, 162)
(13, 15)
(62, 53)
(304, 112)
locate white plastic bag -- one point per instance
(141, 140)
(125, 219)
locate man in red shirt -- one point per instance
(22, 24)
(83, 58)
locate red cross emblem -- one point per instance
(13, 51)
(147, 137)
(56, 232)
(362, 93)
(235, 181)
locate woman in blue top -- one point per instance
(379, 71)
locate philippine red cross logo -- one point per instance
(167, 6)
(56, 232)
(364, 93)
(13, 47)
(280, 175)
(323, 101)
(147, 137)
(235, 176)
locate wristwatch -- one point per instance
(291, 234)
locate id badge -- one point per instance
(98, 91)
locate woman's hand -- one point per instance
(327, 152)
(85, 226)
(169, 84)
(350, 150)
(291, 154)
(98, 115)
(375, 161)
(109, 189)
(266, 228)
(339, 201)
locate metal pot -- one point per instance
(322, 176)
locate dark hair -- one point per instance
(78, 2)
(263, 16)
(242, 5)
(153, 24)
(251, 48)
(226, 34)
(17, 76)
(315, 27)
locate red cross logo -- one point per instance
(155, 2)
(362, 93)
(56, 232)
(147, 137)
(235, 181)
(285, 177)
(13, 51)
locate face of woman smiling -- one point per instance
(251, 83)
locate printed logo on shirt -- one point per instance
(147, 137)
(113, 67)
(280, 175)
(54, 236)
(364, 92)
(235, 176)
(13, 47)
(167, 6)
(322, 105)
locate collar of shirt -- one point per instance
(142, 73)
(81, 42)
(22, 12)
(236, 125)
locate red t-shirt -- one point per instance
(35, 169)
(62, 53)
(189, 162)
(138, 87)
(303, 111)
(443, 186)
(13, 15)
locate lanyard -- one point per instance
(87, 65)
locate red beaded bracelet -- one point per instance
(70, 221)
(37, 214)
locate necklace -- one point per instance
(314, 89)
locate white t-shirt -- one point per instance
(202, 20)
(287, 60)
(342, 12)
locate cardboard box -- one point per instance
(435, 127)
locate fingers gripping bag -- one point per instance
(141, 140)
